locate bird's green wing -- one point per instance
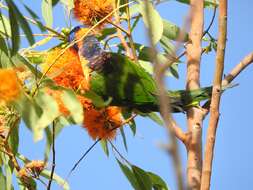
(127, 83)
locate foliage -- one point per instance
(45, 112)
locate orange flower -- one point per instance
(66, 71)
(9, 85)
(23, 173)
(35, 167)
(102, 123)
(91, 11)
(87, 103)
(31, 169)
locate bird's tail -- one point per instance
(182, 100)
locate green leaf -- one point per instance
(5, 25)
(5, 61)
(50, 111)
(47, 12)
(144, 52)
(135, 23)
(132, 125)
(54, 2)
(172, 31)
(73, 105)
(35, 18)
(174, 70)
(149, 14)
(3, 45)
(23, 24)
(97, 100)
(124, 138)
(142, 178)
(34, 57)
(156, 118)
(167, 45)
(8, 172)
(146, 62)
(14, 135)
(107, 32)
(104, 146)
(148, 66)
(62, 122)
(2, 178)
(29, 111)
(15, 37)
(48, 143)
(134, 9)
(130, 175)
(68, 3)
(26, 62)
(157, 182)
(60, 181)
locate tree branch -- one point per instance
(215, 100)
(178, 132)
(120, 35)
(53, 150)
(238, 69)
(194, 115)
(164, 101)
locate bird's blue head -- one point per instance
(89, 47)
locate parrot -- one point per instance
(129, 85)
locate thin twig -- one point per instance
(216, 95)
(211, 23)
(83, 156)
(43, 35)
(120, 35)
(108, 39)
(118, 152)
(53, 151)
(41, 181)
(12, 157)
(129, 35)
(46, 27)
(93, 145)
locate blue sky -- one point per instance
(232, 167)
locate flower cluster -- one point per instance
(67, 71)
(31, 170)
(89, 12)
(103, 123)
(65, 68)
(9, 87)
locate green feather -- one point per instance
(129, 85)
